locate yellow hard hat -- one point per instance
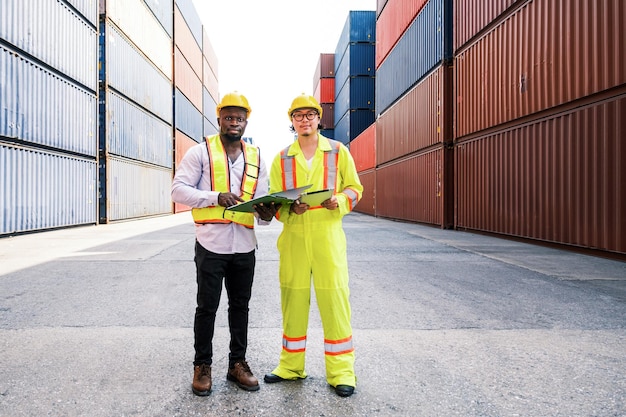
(304, 101)
(234, 99)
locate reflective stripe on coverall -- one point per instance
(314, 244)
(220, 181)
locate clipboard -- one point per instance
(281, 197)
(316, 198)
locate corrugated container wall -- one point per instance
(420, 177)
(324, 92)
(354, 76)
(425, 45)
(367, 204)
(472, 17)
(391, 24)
(195, 118)
(48, 157)
(135, 110)
(41, 189)
(363, 149)
(414, 122)
(540, 109)
(503, 76)
(556, 179)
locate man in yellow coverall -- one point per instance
(312, 246)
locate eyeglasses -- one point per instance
(231, 118)
(298, 117)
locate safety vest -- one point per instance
(331, 160)
(220, 181)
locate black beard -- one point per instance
(232, 138)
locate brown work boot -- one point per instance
(201, 384)
(241, 374)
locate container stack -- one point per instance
(414, 178)
(541, 115)
(195, 83)
(135, 137)
(324, 92)
(48, 114)
(355, 75)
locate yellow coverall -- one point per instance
(313, 246)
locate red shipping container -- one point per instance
(416, 121)
(412, 189)
(367, 204)
(540, 57)
(392, 22)
(471, 17)
(325, 90)
(556, 179)
(325, 68)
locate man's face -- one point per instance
(233, 122)
(305, 121)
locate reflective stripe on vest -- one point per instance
(220, 181)
(338, 347)
(331, 159)
(294, 344)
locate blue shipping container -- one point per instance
(356, 93)
(360, 26)
(425, 45)
(358, 59)
(188, 119)
(352, 123)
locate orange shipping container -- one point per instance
(363, 149)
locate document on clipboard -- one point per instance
(316, 198)
(281, 197)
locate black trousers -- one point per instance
(237, 272)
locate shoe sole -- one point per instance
(200, 393)
(242, 386)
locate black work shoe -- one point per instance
(344, 390)
(272, 378)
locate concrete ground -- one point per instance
(98, 321)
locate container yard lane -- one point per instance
(98, 321)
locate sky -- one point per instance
(268, 51)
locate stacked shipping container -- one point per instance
(413, 91)
(48, 114)
(195, 83)
(135, 160)
(355, 76)
(540, 110)
(521, 136)
(324, 92)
